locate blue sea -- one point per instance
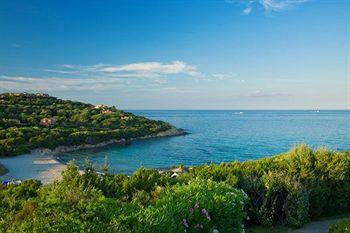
(223, 136)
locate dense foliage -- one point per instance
(342, 226)
(287, 189)
(290, 188)
(29, 121)
(145, 202)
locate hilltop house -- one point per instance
(125, 118)
(99, 106)
(107, 112)
(48, 121)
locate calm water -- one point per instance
(217, 136)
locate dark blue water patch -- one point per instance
(223, 136)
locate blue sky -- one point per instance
(179, 54)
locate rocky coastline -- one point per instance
(3, 170)
(63, 149)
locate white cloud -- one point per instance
(261, 94)
(221, 76)
(268, 5)
(277, 5)
(110, 77)
(247, 10)
(22, 83)
(224, 77)
(133, 70)
(61, 71)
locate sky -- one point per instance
(179, 54)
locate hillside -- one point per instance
(31, 121)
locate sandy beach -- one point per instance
(38, 166)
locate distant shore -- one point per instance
(42, 164)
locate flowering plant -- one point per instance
(197, 207)
(198, 219)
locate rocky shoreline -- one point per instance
(63, 149)
(3, 170)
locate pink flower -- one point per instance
(184, 221)
(206, 214)
(191, 210)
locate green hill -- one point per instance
(31, 121)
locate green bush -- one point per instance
(342, 226)
(286, 201)
(143, 179)
(289, 188)
(219, 205)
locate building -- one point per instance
(100, 106)
(48, 121)
(125, 118)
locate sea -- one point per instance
(216, 136)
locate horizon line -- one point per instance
(238, 109)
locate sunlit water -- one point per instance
(217, 136)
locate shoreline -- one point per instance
(63, 149)
(42, 164)
(3, 170)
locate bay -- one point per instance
(223, 136)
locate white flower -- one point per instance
(215, 231)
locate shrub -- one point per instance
(141, 197)
(342, 226)
(200, 206)
(14, 196)
(143, 179)
(285, 202)
(289, 188)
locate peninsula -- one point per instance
(41, 122)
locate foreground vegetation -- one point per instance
(288, 189)
(342, 226)
(30, 121)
